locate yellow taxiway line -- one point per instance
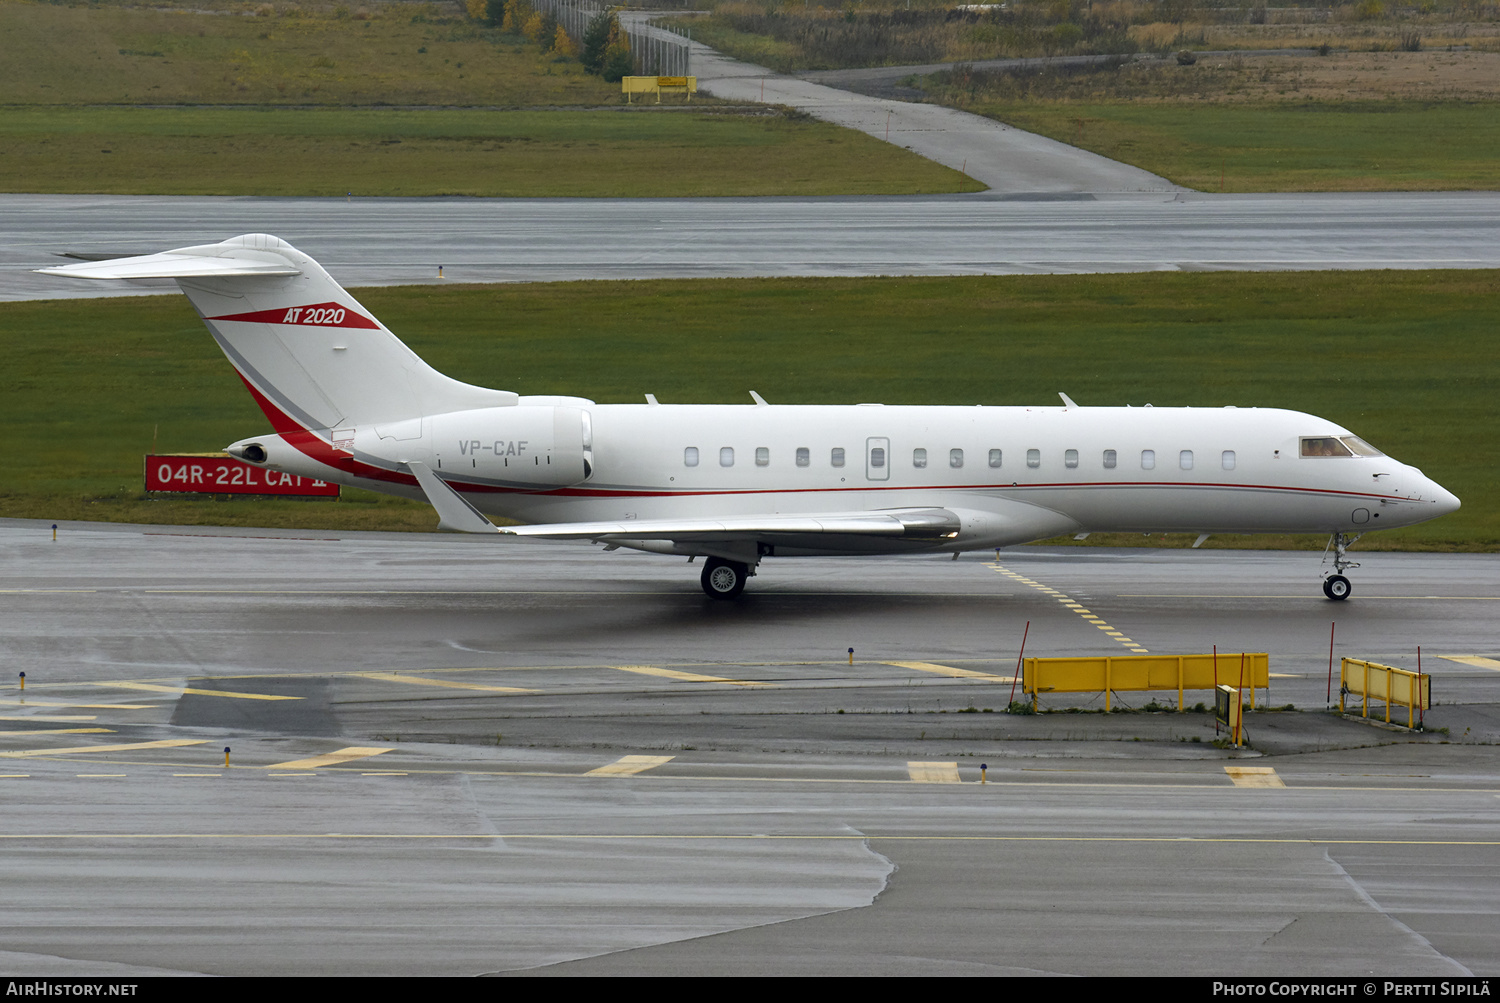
(687, 677)
(396, 677)
(331, 758)
(629, 766)
(948, 670)
(933, 773)
(177, 690)
(170, 743)
(1479, 661)
(1071, 605)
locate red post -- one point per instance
(1017, 677)
(1331, 624)
(1240, 695)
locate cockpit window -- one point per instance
(1326, 445)
(1337, 445)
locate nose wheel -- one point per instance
(1337, 587)
(724, 579)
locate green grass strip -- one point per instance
(1283, 147)
(290, 152)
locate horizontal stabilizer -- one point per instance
(927, 523)
(455, 514)
(174, 265)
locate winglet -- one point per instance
(454, 511)
(1067, 401)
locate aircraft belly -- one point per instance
(1204, 509)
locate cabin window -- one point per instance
(877, 456)
(1226, 459)
(690, 456)
(1185, 459)
(804, 457)
(837, 457)
(919, 458)
(762, 456)
(1148, 459)
(1109, 459)
(1033, 458)
(1070, 458)
(994, 457)
(1325, 446)
(955, 458)
(726, 456)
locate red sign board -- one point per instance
(224, 475)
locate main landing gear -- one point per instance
(1336, 586)
(724, 579)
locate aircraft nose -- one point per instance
(1445, 500)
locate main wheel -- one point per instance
(723, 579)
(1337, 587)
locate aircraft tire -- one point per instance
(723, 579)
(1337, 587)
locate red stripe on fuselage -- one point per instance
(313, 447)
(312, 315)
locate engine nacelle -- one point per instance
(525, 445)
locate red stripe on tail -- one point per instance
(315, 315)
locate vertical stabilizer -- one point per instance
(303, 345)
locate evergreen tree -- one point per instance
(547, 36)
(617, 59)
(596, 40)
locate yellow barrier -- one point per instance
(1107, 673)
(1385, 682)
(656, 85)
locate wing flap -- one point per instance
(926, 523)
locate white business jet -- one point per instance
(737, 484)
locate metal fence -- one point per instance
(656, 51)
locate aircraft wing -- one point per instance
(910, 524)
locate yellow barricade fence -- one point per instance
(1107, 673)
(1385, 682)
(656, 85)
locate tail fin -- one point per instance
(303, 345)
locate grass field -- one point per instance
(1350, 121)
(1406, 359)
(280, 151)
(403, 54)
(112, 99)
(1363, 146)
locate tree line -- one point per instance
(605, 48)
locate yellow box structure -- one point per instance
(1397, 687)
(630, 86)
(1107, 673)
(1229, 710)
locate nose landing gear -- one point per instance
(1336, 586)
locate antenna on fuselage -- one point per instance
(1067, 401)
